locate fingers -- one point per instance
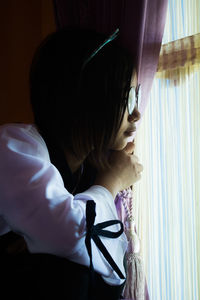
(140, 168)
(135, 159)
(137, 173)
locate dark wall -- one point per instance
(23, 24)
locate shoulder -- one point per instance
(22, 138)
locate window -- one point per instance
(167, 199)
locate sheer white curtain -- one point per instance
(167, 199)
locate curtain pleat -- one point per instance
(184, 52)
(178, 55)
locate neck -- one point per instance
(72, 161)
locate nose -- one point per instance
(135, 116)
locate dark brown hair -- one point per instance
(81, 109)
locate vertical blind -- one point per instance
(167, 198)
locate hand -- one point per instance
(129, 149)
(123, 172)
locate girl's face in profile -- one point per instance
(126, 130)
(128, 127)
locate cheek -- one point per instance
(120, 141)
(125, 122)
(121, 138)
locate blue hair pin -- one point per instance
(109, 39)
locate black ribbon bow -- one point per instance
(94, 231)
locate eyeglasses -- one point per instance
(133, 98)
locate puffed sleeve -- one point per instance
(35, 203)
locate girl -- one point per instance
(60, 176)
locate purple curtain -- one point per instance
(141, 24)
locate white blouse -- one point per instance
(35, 204)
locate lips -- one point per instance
(130, 131)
